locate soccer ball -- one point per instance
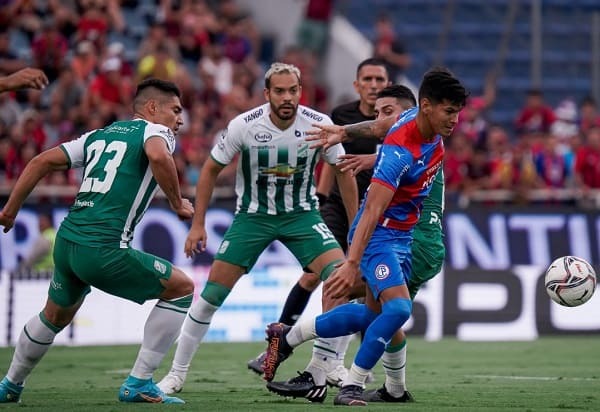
(570, 281)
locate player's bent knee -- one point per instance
(309, 281)
(178, 285)
(398, 308)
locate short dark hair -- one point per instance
(398, 91)
(440, 84)
(152, 89)
(371, 61)
(163, 86)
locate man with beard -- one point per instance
(276, 200)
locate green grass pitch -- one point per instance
(550, 374)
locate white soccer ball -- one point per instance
(570, 281)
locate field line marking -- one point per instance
(531, 378)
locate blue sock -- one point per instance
(379, 333)
(343, 320)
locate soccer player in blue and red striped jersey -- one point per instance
(381, 235)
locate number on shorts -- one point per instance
(323, 230)
(94, 153)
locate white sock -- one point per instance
(327, 354)
(394, 364)
(194, 328)
(33, 343)
(301, 332)
(161, 330)
(356, 376)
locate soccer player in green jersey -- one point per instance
(276, 200)
(124, 164)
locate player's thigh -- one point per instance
(386, 265)
(428, 254)
(247, 237)
(66, 288)
(308, 238)
(334, 216)
(127, 273)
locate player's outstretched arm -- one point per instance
(24, 78)
(40, 166)
(196, 239)
(349, 192)
(355, 164)
(165, 172)
(341, 282)
(326, 136)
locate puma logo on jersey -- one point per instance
(421, 162)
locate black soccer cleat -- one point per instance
(256, 364)
(278, 349)
(301, 386)
(382, 395)
(350, 395)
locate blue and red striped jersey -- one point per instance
(407, 165)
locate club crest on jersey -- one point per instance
(382, 271)
(160, 267)
(263, 137)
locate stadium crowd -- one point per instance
(215, 53)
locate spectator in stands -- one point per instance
(9, 61)
(214, 63)
(49, 49)
(313, 31)
(390, 48)
(536, 116)
(459, 150)
(109, 94)
(588, 114)
(236, 44)
(84, 62)
(157, 37)
(587, 162)
(552, 164)
(39, 258)
(67, 94)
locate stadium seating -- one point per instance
(472, 32)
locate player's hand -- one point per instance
(185, 211)
(196, 241)
(341, 281)
(356, 163)
(325, 136)
(6, 221)
(26, 78)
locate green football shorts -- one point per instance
(428, 253)
(303, 233)
(127, 273)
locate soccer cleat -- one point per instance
(302, 385)
(171, 383)
(256, 364)
(10, 392)
(382, 395)
(350, 395)
(336, 376)
(144, 390)
(277, 349)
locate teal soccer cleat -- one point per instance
(10, 392)
(144, 390)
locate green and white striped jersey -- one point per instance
(117, 184)
(275, 170)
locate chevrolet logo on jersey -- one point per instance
(280, 170)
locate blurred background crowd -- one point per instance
(95, 51)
